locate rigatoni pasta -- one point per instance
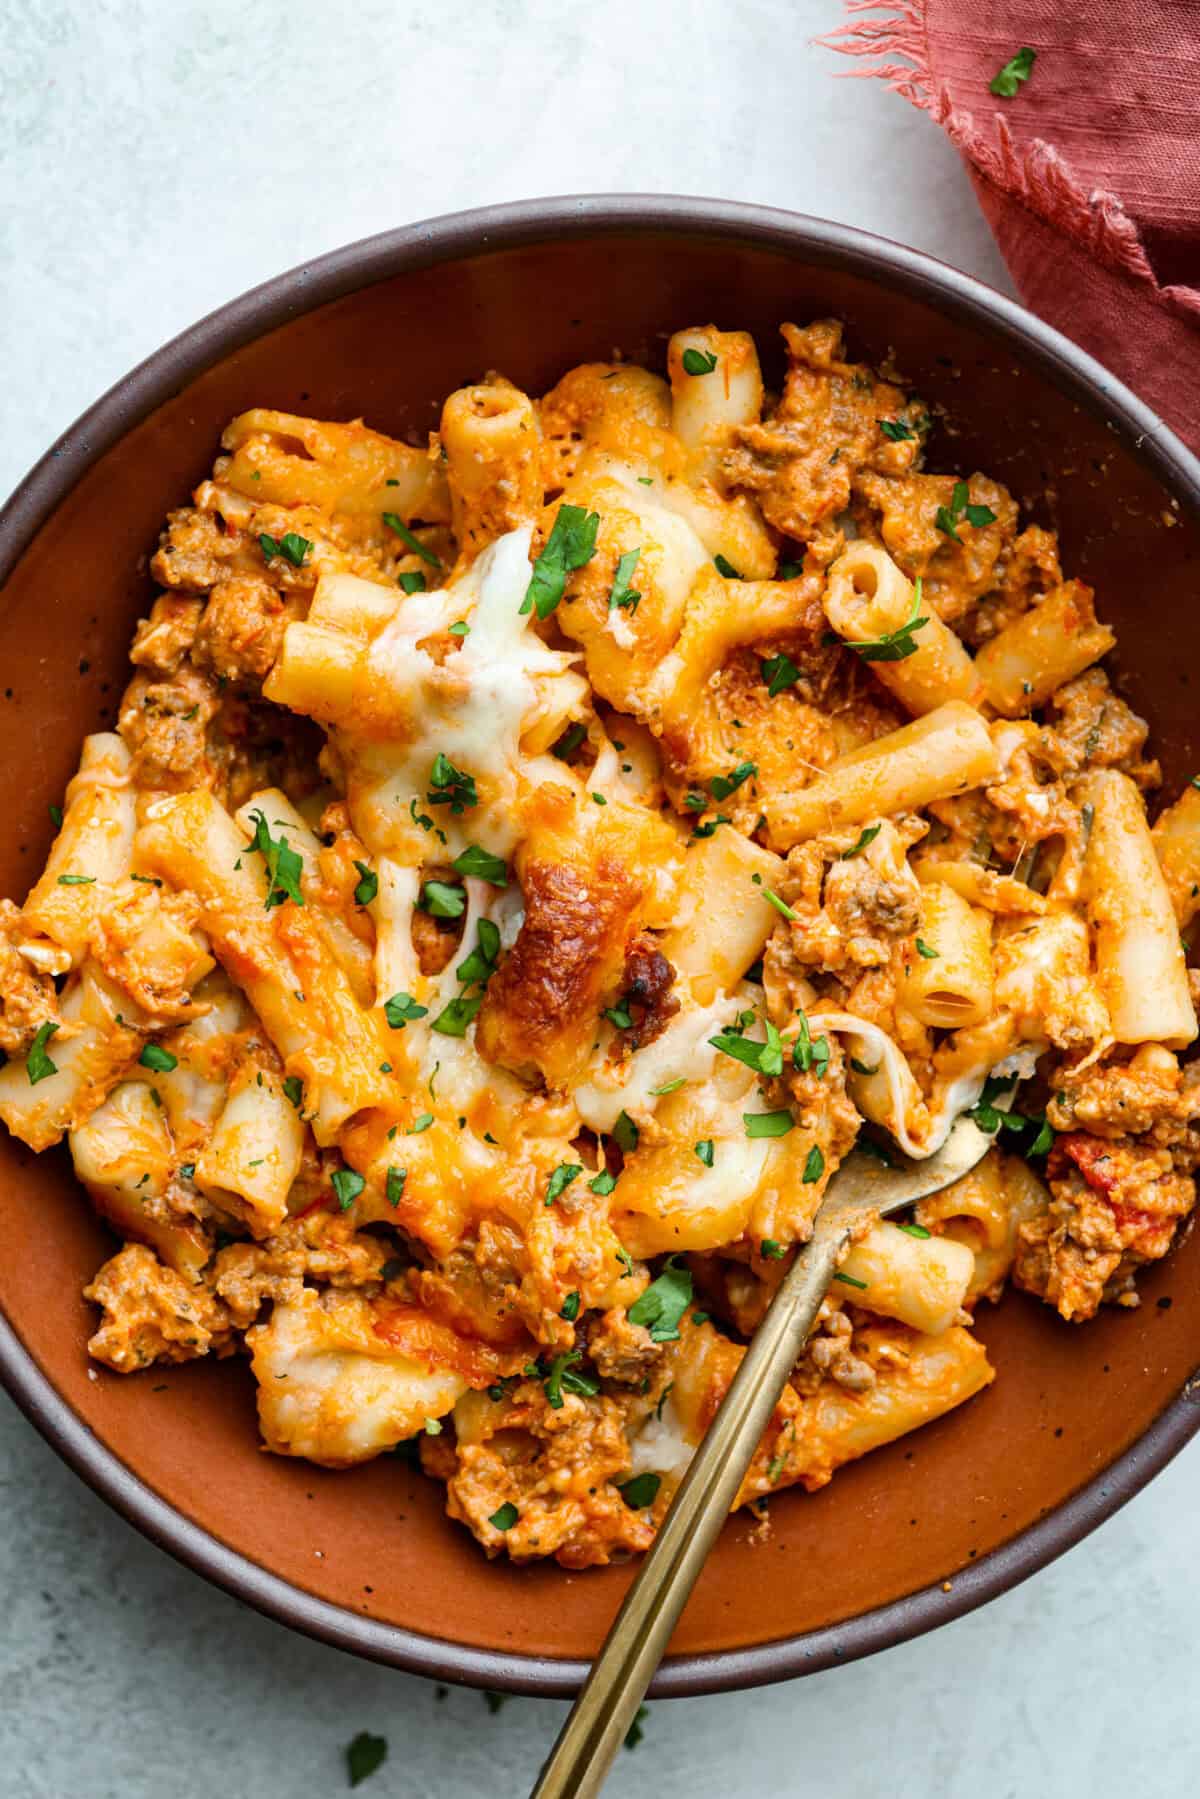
(526, 867)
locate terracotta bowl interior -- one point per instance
(375, 1542)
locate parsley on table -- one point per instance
(1005, 83)
(705, 1151)
(560, 1180)
(396, 524)
(38, 1065)
(159, 1060)
(621, 594)
(368, 885)
(347, 1185)
(764, 1058)
(664, 1302)
(482, 865)
(641, 1491)
(494, 1701)
(570, 545)
(866, 836)
(449, 786)
(396, 1177)
(291, 546)
(779, 672)
(698, 362)
(767, 1124)
(364, 1755)
(897, 645)
(635, 1733)
(723, 785)
(284, 864)
(402, 1009)
(947, 518)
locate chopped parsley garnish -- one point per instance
(1017, 69)
(947, 518)
(477, 968)
(460, 628)
(924, 950)
(764, 1058)
(293, 1090)
(368, 886)
(897, 645)
(724, 567)
(915, 1230)
(397, 524)
(618, 1017)
(863, 1068)
(419, 1124)
(347, 1185)
(448, 786)
(807, 1055)
(570, 741)
(442, 900)
(56, 817)
(412, 581)
(560, 1180)
(670, 1086)
(709, 827)
(433, 1427)
(396, 1178)
(402, 1009)
(698, 362)
(159, 1060)
(705, 1151)
(76, 880)
(147, 880)
(454, 1017)
(364, 1755)
(866, 836)
(569, 546)
(779, 672)
(814, 1166)
(621, 594)
(494, 1700)
(506, 1517)
(896, 430)
(781, 906)
(991, 1118)
(482, 865)
(770, 1250)
(641, 1491)
(767, 1124)
(849, 1280)
(562, 1377)
(625, 1133)
(723, 785)
(599, 799)
(664, 1302)
(38, 1065)
(789, 570)
(291, 546)
(570, 1308)
(284, 865)
(604, 1183)
(187, 1171)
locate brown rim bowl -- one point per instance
(1077, 1420)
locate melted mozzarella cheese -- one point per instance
(683, 1048)
(890, 1096)
(660, 1446)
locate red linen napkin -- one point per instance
(1089, 174)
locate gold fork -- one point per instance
(637, 1640)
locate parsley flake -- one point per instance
(814, 1167)
(723, 785)
(38, 1065)
(621, 594)
(779, 672)
(664, 1302)
(364, 1755)
(402, 1009)
(1005, 83)
(284, 864)
(291, 546)
(448, 786)
(570, 545)
(396, 1178)
(396, 524)
(865, 837)
(698, 362)
(159, 1060)
(641, 1491)
(705, 1151)
(347, 1185)
(368, 886)
(481, 865)
(768, 1124)
(897, 645)
(560, 1180)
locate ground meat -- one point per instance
(620, 1350)
(799, 462)
(558, 1467)
(1144, 1097)
(646, 994)
(830, 1354)
(165, 725)
(1116, 1205)
(241, 629)
(163, 640)
(194, 551)
(435, 941)
(850, 909)
(1091, 727)
(955, 572)
(152, 1314)
(318, 1247)
(1029, 570)
(144, 941)
(27, 998)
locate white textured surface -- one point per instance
(158, 160)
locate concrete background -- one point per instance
(156, 161)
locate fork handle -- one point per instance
(638, 1637)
